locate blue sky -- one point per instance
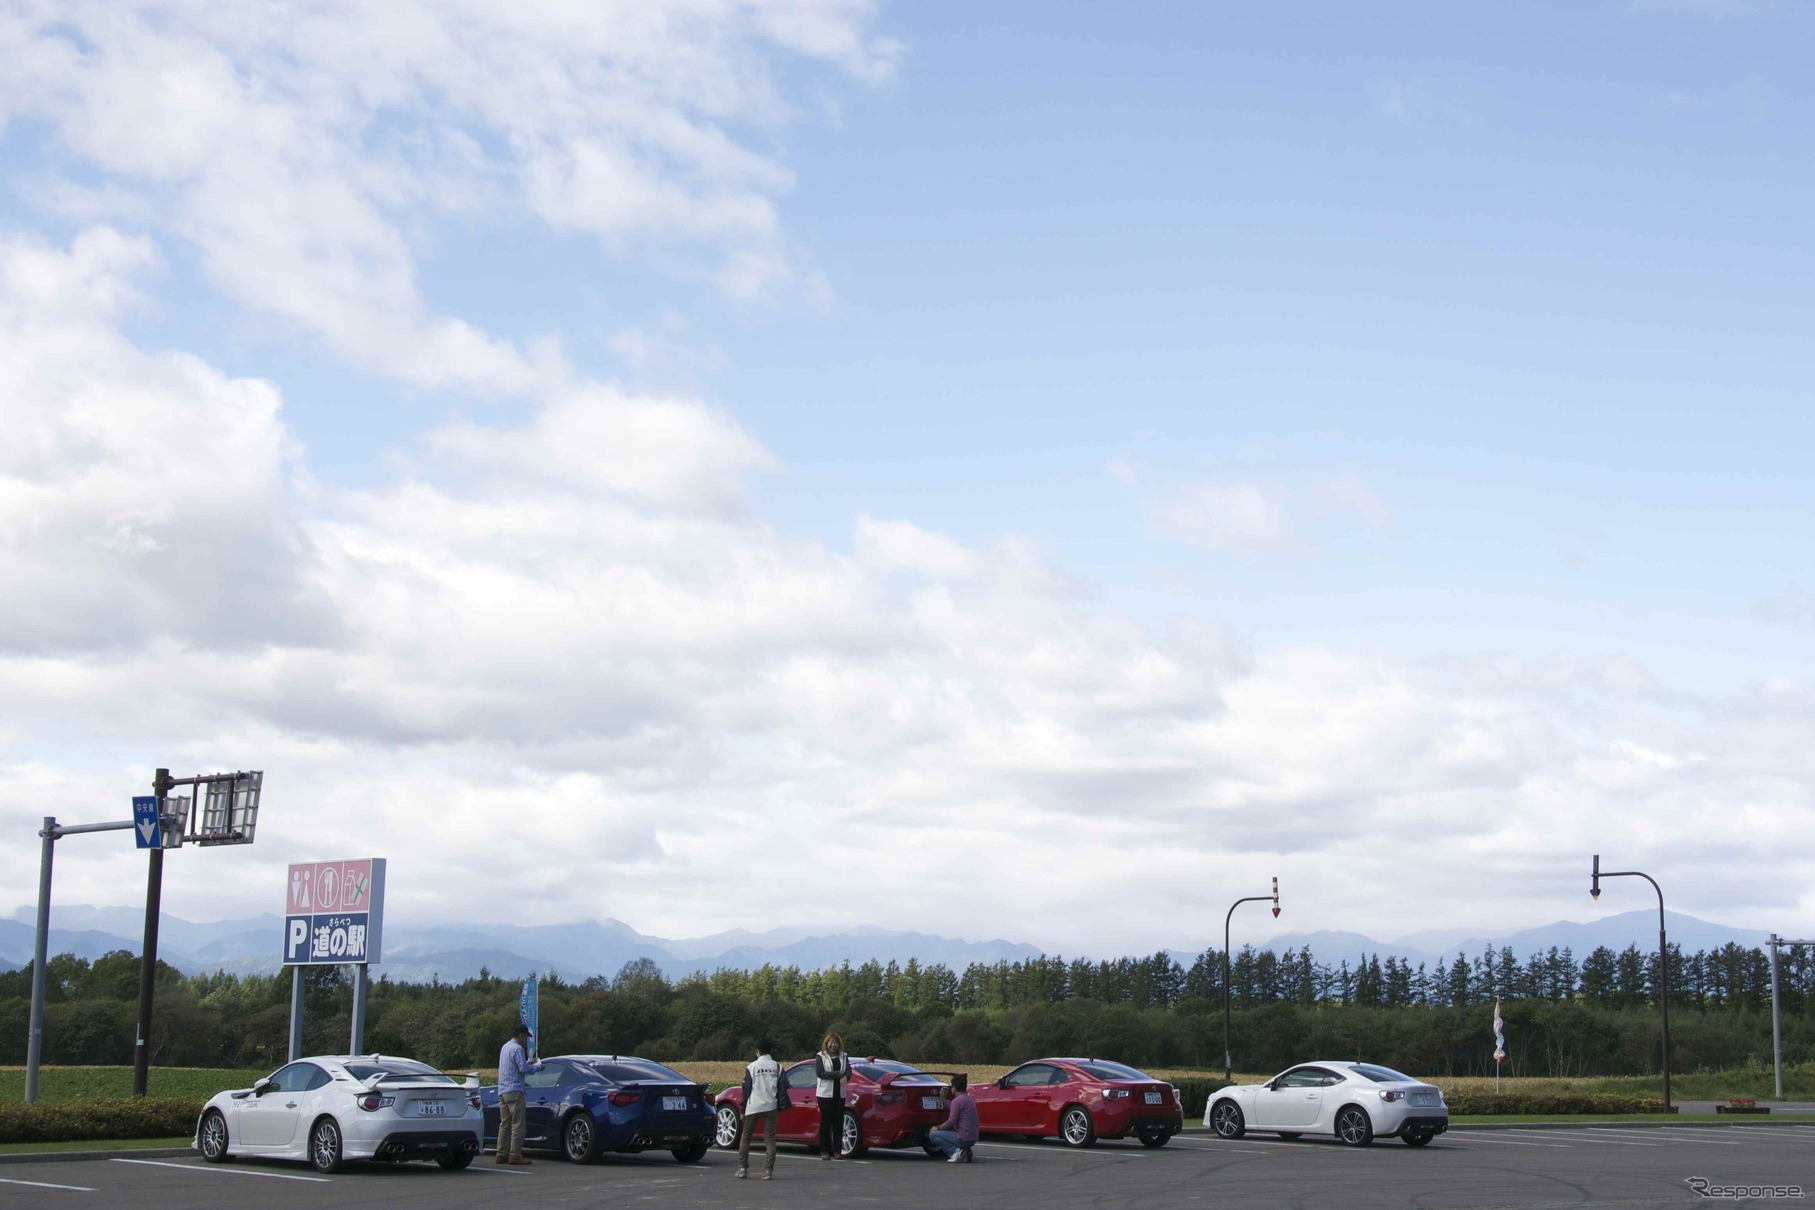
(1469, 342)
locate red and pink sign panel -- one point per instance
(334, 912)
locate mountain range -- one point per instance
(582, 949)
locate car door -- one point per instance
(1064, 1087)
(268, 1119)
(543, 1092)
(1024, 1094)
(1299, 1100)
(799, 1117)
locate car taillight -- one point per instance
(473, 1101)
(625, 1098)
(1391, 1094)
(1115, 1094)
(372, 1101)
(890, 1098)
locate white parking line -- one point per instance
(1476, 1136)
(47, 1185)
(276, 1176)
(1687, 1135)
(1205, 1145)
(1577, 1134)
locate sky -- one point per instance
(1032, 470)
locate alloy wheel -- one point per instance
(214, 1137)
(725, 1133)
(577, 1138)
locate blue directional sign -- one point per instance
(147, 831)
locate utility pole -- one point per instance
(1776, 1024)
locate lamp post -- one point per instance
(1663, 956)
(1228, 1063)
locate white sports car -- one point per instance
(1357, 1102)
(347, 1107)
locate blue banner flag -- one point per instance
(526, 1013)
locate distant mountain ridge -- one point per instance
(580, 950)
(451, 953)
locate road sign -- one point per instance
(334, 912)
(147, 831)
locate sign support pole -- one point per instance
(356, 1044)
(296, 1013)
(34, 1047)
(148, 953)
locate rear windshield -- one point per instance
(1381, 1075)
(629, 1072)
(1098, 1069)
(901, 1071)
(397, 1069)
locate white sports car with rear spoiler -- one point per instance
(331, 1109)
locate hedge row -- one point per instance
(1472, 1103)
(106, 1118)
(1194, 1094)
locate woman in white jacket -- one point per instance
(831, 1067)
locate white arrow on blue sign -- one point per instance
(147, 832)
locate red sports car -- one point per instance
(887, 1104)
(1081, 1101)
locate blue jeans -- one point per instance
(947, 1142)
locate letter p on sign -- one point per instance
(296, 942)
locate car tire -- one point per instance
(1353, 1126)
(455, 1162)
(1418, 1138)
(580, 1138)
(850, 1137)
(324, 1146)
(926, 1145)
(692, 1153)
(725, 1130)
(1076, 1128)
(1154, 1138)
(1227, 1121)
(213, 1137)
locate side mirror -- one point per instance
(261, 1086)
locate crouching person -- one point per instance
(958, 1133)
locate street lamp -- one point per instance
(1663, 956)
(1228, 1066)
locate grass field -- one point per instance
(64, 1085)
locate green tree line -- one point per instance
(1564, 1018)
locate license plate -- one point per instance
(1153, 1098)
(674, 1104)
(932, 1103)
(431, 1109)
(1423, 1098)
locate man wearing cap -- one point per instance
(513, 1064)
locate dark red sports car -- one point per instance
(1081, 1101)
(887, 1104)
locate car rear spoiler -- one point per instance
(889, 1077)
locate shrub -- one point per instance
(1473, 1102)
(108, 1118)
(1194, 1094)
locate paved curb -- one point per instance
(123, 1153)
(1664, 1123)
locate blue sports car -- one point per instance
(584, 1105)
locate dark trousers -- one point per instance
(831, 1125)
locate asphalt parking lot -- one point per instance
(1608, 1166)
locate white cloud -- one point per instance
(1238, 516)
(293, 147)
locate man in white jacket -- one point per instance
(765, 1094)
